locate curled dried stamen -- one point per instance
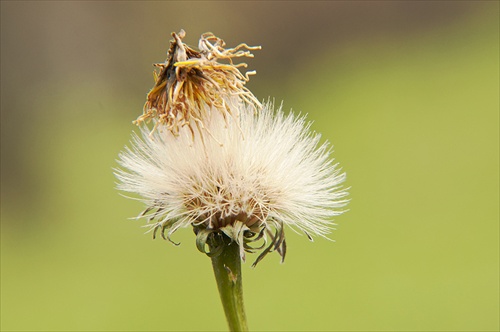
(190, 83)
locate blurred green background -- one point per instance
(408, 93)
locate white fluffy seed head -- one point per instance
(258, 170)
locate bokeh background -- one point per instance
(407, 91)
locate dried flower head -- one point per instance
(191, 82)
(270, 172)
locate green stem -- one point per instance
(227, 270)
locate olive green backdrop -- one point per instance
(408, 93)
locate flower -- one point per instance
(263, 170)
(190, 81)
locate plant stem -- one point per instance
(227, 270)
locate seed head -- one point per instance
(270, 172)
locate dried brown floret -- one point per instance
(191, 83)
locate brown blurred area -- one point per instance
(50, 49)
